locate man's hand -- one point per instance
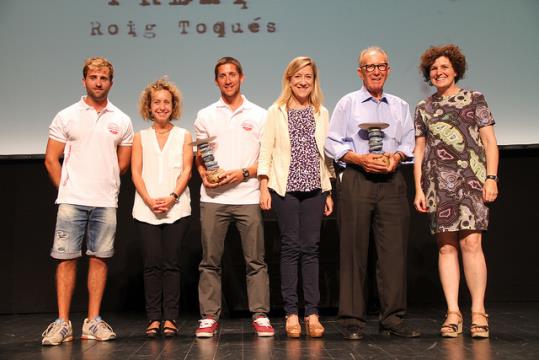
(374, 163)
(231, 177)
(206, 183)
(394, 161)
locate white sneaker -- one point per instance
(97, 329)
(57, 332)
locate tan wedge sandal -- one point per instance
(313, 328)
(292, 327)
(451, 330)
(479, 331)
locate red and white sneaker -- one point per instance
(262, 326)
(206, 328)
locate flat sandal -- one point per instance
(170, 331)
(153, 331)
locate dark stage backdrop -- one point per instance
(28, 217)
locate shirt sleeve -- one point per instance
(407, 142)
(127, 138)
(337, 144)
(419, 123)
(200, 128)
(57, 129)
(483, 116)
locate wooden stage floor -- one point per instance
(514, 335)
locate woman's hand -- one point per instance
(490, 190)
(328, 207)
(265, 199)
(420, 203)
(164, 204)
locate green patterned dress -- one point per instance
(454, 166)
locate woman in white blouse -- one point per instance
(161, 168)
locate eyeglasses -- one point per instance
(371, 67)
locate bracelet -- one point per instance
(174, 195)
(492, 177)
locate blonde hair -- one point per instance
(316, 97)
(144, 104)
(97, 62)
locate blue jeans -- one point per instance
(73, 222)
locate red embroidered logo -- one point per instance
(113, 128)
(247, 126)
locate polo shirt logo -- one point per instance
(113, 128)
(247, 126)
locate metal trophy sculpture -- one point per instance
(213, 171)
(376, 135)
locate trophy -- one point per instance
(213, 171)
(376, 135)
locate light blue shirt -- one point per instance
(361, 107)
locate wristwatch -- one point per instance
(245, 173)
(492, 177)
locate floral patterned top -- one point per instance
(454, 166)
(304, 172)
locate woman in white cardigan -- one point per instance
(294, 176)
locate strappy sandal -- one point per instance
(170, 331)
(451, 330)
(153, 331)
(479, 331)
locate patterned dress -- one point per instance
(454, 166)
(304, 172)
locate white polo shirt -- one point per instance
(237, 146)
(90, 171)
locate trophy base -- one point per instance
(214, 176)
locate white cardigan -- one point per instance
(275, 150)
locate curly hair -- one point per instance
(450, 51)
(144, 104)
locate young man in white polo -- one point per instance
(94, 137)
(237, 124)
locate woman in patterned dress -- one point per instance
(294, 178)
(455, 173)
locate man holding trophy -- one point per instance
(370, 134)
(228, 136)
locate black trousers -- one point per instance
(160, 250)
(299, 215)
(374, 203)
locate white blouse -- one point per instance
(160, 171)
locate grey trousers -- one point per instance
(214, 221)
(378, 204)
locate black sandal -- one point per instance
(153, 331)
(170, 331)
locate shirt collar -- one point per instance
(85, 106)
(246, 104)
(365, 96)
